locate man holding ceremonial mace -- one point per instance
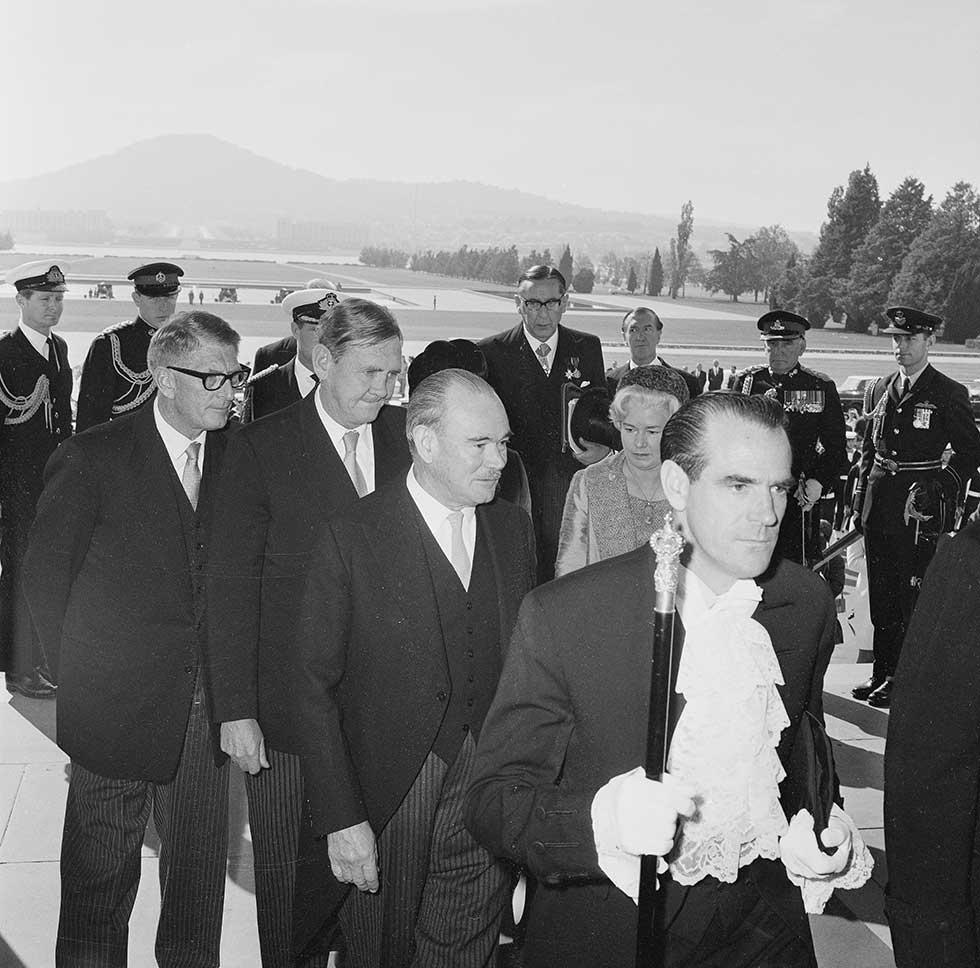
(559, 785)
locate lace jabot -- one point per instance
(725, 741)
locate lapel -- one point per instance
(213, 451)
(290, 386)
(565, 351)
(500, 554)
(921, 386)
(156, 487)
(324, 469)
(401, 569)
(389, 452)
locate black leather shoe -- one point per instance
(881, 698)
(31, 686)
(866, 688)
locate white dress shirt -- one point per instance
(551, 341)
(176, 443)
(365, 442)
(436, 517)
(306, 381)
(38, 340)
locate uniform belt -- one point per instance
(894, 466)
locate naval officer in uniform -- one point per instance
(816, 426)
(35, 416)
(284, 371)
(115, 376)
(905, 497)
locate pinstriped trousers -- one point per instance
(275, 808)
(105, 822)
(442, 895)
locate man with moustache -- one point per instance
(527, 366)
(115, 376)
(642, 329)
(905, 496)
(285, 475)
(411, 595)
(283, 371)
(558, 784)
(114, 577)
(817, 431)
(35, 417)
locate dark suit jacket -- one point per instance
(108, 578)
(615, 374)
(283, 478)
(570, 713)
(277, 390)
(716, 378)
(533, 403)
(375, 679)
(932, 769)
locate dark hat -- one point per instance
(41, 276)
(781, 324)
(454, 354)
(586, 416)
(908, 322)
(157, 278)
(664, 379)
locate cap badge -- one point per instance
(54, 276)
(899, 318)
(161, 278)
(777, 327)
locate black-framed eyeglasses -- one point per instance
(536, 305)
(215, 381)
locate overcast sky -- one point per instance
(754, 110)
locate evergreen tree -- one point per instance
(949, 242)
(878, 259)
(631, 282)
(963, 304)
(655, 277)
(584, 279)
(771, 251)
(851, 213)
(565, 265)
(680, 249)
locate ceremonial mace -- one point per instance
(667, 545)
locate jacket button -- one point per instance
(538, 846)
(441, 696)
(542, 813)
(466, 727)
(188, 669)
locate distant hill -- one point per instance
(200, 185)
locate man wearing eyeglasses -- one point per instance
(115, 377)
(114, 579)
(527, 366)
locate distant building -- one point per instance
(319, 235)
(37, 225)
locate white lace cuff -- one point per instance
(621, 867)
(816, 891)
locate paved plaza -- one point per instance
(33, 785)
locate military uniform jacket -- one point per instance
(35, 416)
(115, 378)
(914, 429)
(816, 420)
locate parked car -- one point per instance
(103, 290)
(851, 393)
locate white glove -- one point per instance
(631, 816)
(801, 855)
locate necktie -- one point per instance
(53, 367)
(906, 385)
(543, 351)
(458, 556)
(350, 462)
(191, 478)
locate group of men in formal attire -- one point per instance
(333, 595)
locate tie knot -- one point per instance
(543, 350)
(193, 449)
(455, 519)
(350, 442)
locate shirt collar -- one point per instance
(534, 342)
(434, 512)
(334, 429)
(38, 340)
(175, 442)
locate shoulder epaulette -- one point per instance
(262, 374)
(115, 326)
(756, 368)
(816, 373)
